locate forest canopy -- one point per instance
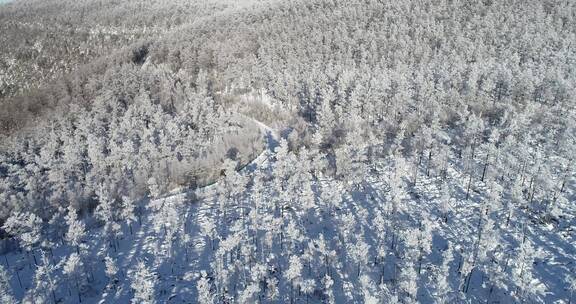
(357, 151)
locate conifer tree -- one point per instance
(26, 227)
(443, 290)
(128, 213)
(143, 283)
(106, 212)
(45, 282)
(111, 270)
(203, 287)
(76, 229)
(527, 285)
(73, 267)
(293, 273)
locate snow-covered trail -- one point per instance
(201, 210)
(272, 140)
(179, 273)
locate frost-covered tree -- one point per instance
(294, 272)
(424, 240)
(107, 212)
(408, 276)
(143, 283)
(169, 220)
(272, 291)
(209, 231)
(491, 150)
(522, 272)
(486, 242)
(56, 230)
(73, 268)
(203, 287)
(249, 294)
(307, 287)
(443, 290)
(370, 292)
(327, 287)
(111, 270)
(27, 228)
(45, 282)
(76, 229)
(359, 252)
(408, 281)
(6, 295)
(153, 188)
(445, 203)
(128, 213)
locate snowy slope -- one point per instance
(178, 262)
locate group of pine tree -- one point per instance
(425, 153)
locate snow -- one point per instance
(339, 205)
(178, 273)
(177, 285)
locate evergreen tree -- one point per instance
(522, 272)
(203, 287)
(76, 229)
(443, 290)
(143, 284)
(107, 211)
(45, 282)
(294, 273)
(128, 213)
(27, 228)
(111, 270)
(73, 268)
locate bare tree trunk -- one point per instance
(429, 161)
(522, 175)
(469, 184)
(485, 167)
(415, 176)
(78, 290)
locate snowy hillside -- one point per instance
(318, 240)
(320, 151)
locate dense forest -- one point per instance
(303, 151)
